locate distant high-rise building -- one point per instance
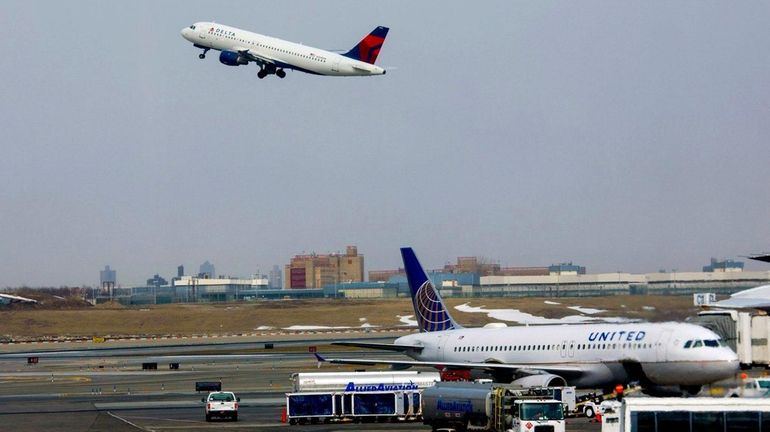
(207, 270)
(317, 271)
(156, 281)
(180, 271)
(107, 279)
(276, 281)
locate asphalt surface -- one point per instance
(108, 391)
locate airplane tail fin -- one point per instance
(369, 47)
(432, 315)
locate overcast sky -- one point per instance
(628, 136)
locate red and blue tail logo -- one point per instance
(431, 313)
(369, 48)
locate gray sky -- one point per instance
(622, 135)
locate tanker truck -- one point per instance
(490, 407)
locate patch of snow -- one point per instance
(551, 302)
(525, 318)
(264, 328)
(648, 308)
(587, 311)
(367, 325)
(407, 320)
(362, 319)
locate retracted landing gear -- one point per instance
(203, 54)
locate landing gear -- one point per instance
(203, 54)
(270, 69)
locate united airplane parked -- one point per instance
(665, 358)
(275, 56)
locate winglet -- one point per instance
(319, 358)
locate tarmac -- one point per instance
(107, 390)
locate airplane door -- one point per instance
(440, 347)
(571, 349)
(662, 344)
(563, 348)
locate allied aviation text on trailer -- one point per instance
(275, 56)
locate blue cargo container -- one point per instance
(309, 405)
(374, 404)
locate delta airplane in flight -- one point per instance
(665, 358)
(275, 56)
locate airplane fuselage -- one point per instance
(283, 54)
(603, 352)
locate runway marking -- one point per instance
(126, 421)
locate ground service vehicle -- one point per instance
(689, 414)
(221, 404)
(752, 388)
(348, 381)
(490, 407)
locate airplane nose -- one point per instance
(184, 32)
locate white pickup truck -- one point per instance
(752, 388)
(221, 404)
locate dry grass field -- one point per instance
(246, 317)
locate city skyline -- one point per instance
(748, 266)
(621, 136)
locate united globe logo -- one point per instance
(432, 315)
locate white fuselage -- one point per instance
(600, 350)
(285, 54)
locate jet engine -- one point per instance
(232, 58)
(540, 380)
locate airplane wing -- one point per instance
(258, 58)
(525, 369)
(382, 346)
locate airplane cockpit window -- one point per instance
(688, 344)
(697, 344)
(711, 343)
(192, 27)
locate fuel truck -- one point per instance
(490, 407)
